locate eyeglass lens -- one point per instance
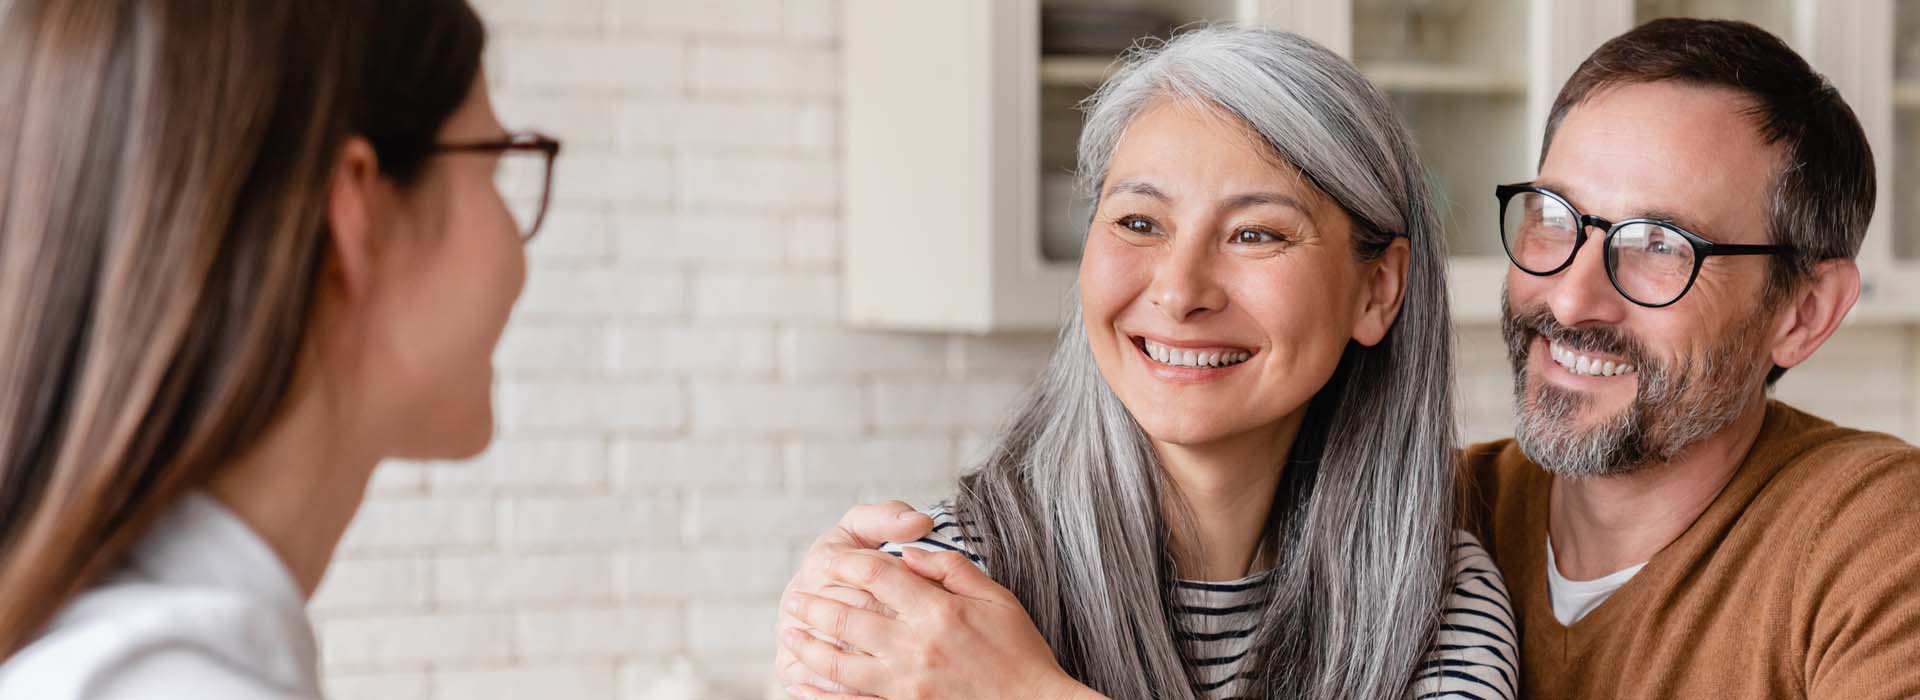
(1649, 263)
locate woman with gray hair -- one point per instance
(1235, 476)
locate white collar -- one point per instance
(201, 542)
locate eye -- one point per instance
(1136, 224)
(1254, 236)
(1662, 243)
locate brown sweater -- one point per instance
(1801, 580)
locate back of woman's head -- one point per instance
(1068, 505)
(164, 175)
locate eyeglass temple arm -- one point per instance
(1745, 249)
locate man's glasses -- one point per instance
(1651, 262)
(524, 175)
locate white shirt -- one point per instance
(1572, 600)
(203, 609)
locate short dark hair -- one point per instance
(1823, 189)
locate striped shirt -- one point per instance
(1473, 657)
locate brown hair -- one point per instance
(164, 172)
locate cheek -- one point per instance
(481, 273)
(1523, 288)
(1307, 316)
(452, 299)
(1683, 336)
(1112, 276)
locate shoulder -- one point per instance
(1498, 488)
(1841, 515)
(948, 535)
(144, 640)
(1827, 455)
(1475, 654)
(1817, 454)
(1478, 596)
(1839, 484)
(1489, 468)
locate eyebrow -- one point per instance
(1139, 188)
(1233, 203)
(1254, 199)
(1661, 215)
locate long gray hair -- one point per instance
(1070, 507)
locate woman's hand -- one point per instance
(955, 634)
(862, 528)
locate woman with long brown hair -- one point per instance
(248, 249)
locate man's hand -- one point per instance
(863, 527)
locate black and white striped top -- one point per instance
(1474, 655)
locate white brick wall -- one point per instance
(681, 409)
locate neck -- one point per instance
(298, 487)
(1228, 488)
(1602, 525)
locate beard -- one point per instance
(1677, 402)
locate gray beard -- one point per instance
(1675, 404)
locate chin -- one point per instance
(464, 429)
(474, 437)
(455, 437)
(1184, 431)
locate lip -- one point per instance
(1185, 375)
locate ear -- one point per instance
(1815, 311)
(1381, 293)
(351, 201)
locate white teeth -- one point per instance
(1194, 358)
(1583, 365)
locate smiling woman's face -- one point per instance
(1218, 287)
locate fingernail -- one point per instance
(796, 691)
(909, 515)
(793, 604)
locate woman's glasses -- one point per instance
(1650, 262)
(525, 174)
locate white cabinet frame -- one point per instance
(942, 149)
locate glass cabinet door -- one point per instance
(1775, 16)
(1456, 72)
(1080, 42)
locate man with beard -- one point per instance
(1666, 530)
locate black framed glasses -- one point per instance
(524, 174)
(1650, 262)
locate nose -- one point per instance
(1184, 286)
(1582, 293)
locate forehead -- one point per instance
(1666, 147)
(1199, 150)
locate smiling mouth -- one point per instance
(1586, 365)
(1192, 358)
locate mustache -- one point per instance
(1520, 325)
